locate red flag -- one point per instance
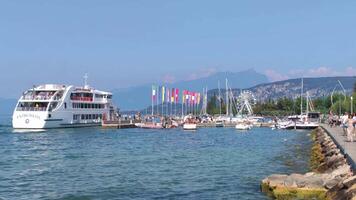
(177, 95)
(173, 95)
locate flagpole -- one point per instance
(152, 96)
(167, 91)
(162, 99)
(183, 108)
(157, 100)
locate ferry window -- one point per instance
(49, 115)
(65, 105)
(82, 117)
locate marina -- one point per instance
(196, 100)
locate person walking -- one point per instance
(344, 123)
(350, 129)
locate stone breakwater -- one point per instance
(330, 178)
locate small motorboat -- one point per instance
(190, 123)
(149, 125)
(243, 127)
(190, 126)
(219, 123)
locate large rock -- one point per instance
(332, 181)
(349, 181)
(275, 180)
(351, 192)
(342, 171)
(333, 160)
(332, 152)
(328, 184)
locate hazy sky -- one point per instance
(126, 42)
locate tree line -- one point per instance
(284, 106)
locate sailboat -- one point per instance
(308, 120)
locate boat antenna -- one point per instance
(86, 86)
(227, 98)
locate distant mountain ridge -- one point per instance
(291, 88)
(139, 97)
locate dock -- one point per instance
(119, 124)
(231, 124)
(339, 138)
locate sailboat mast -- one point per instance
(227, 99)
(219, 98)
(307, 103)
(301, 97)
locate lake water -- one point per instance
(95, 163)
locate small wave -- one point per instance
(28, 130)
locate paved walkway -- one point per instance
(348, 148)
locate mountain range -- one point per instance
(315, 87)
(139, 97)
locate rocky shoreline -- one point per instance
(330, 178)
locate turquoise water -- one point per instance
(94, 163)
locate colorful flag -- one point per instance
(198, 99)
(177, 95)
(154, 92)
(172, 95)
(189, 97)
(193, 98)
(167, 95)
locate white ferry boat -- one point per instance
(57, 106)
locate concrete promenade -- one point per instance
(347, 148)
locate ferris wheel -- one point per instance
(245, 101)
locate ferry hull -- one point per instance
(40, 120)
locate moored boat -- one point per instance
(61, 106)
(190, 126)
(149, 125)
(242, 126)
(219, 123)
(190, 123)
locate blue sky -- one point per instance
(124, 43)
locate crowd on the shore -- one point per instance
(347, 122)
